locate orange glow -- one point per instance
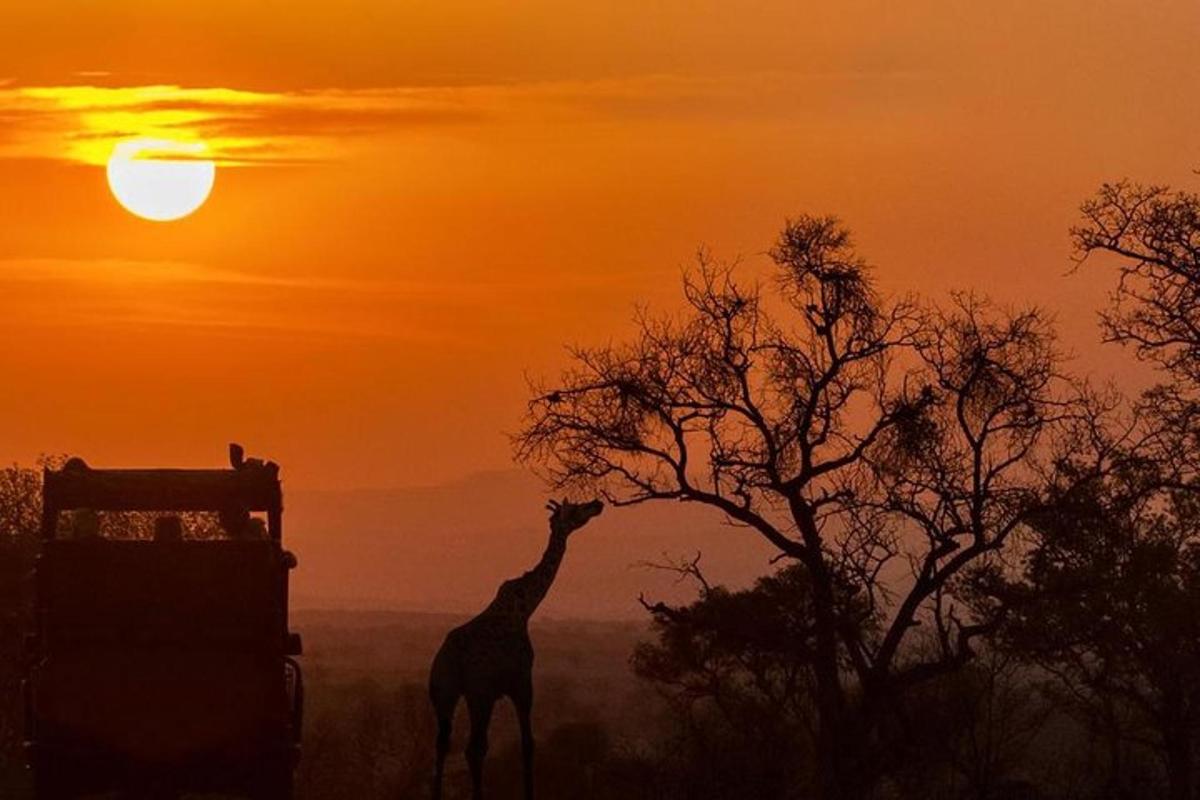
(420, 203)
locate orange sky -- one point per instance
(419, 203)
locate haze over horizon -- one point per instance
(445, 548)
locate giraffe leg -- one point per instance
(445, 723)
(477, 746)
(523, 700)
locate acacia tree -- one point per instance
(1155, 232)
(1108, 596)
(735, 669)
(826, 419)
(1108, 603)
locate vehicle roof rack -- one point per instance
(250, 485)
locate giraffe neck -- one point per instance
(538, 580)
(519, 597)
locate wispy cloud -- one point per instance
(109, 293)
(82, 123)
(123, 293)
(126, 272)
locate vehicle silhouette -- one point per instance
(163, 665)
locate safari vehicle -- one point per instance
(161, 666)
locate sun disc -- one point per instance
(160, 180)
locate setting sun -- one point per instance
(160, 179)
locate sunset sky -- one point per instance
(417, 204)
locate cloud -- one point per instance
(130, 271)
(111, 292)
(137, 294)
(82, 123)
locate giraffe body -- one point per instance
(491, 656)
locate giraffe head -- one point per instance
(566, 517)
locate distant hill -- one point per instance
(445, 548)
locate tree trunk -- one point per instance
(841, 773)
(832, 744)
(1179, 766)
(836, 745)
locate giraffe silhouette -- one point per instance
(491, 656)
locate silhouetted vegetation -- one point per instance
(930, 475)
(20, 519)
(855, 433)
(736, 669)
(1108, 604)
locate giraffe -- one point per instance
(491, 656)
